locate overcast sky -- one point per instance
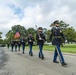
(40, 12)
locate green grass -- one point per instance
(70, 48)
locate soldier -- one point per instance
(56, 36)
(12, 44)
(16, 44)
(30, 43)
(19, 44)
(23, 42)
(40, 37)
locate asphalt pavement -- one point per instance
(3, 57)
(16, 63)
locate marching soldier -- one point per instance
(16, 44)
(30, 43)
(12, 44)
(56, 36)
(40, 37)
(19, 44)
(23, 43)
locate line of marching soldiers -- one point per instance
(16, 44)
(55, 37)
(40, 37)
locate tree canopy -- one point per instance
(68, 31)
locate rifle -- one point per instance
(40, 38)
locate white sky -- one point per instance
(40, 12)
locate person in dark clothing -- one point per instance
(8, 45)
(23, 43)
(12, 45)
(16, 44)
(19, 45)
(40, 37)
(55, 37)
(30, 43)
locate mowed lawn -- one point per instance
(70, 48)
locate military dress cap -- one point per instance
(40, 28)
(56, 22)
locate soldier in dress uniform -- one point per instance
(12, 44)
(23, 43)
(30, 43)
(19, 45)
(16, 44)
(55, 37)
(40, 37)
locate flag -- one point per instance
(17, 34)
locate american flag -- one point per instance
(17, 34)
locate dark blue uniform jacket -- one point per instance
(30, 40)
(56, 36)
(40, 42)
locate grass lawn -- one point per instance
(70, 48)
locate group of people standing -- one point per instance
(55, 37)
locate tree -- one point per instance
(0, 34)
(63, 25)
(70, 34)
(10, 34)
(48, 35)
(45, 31)
(1, 40)
(31, 30)
(21, 30)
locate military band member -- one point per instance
(40, 37)
(55, 37)
(30, 43)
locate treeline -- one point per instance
(69, 32)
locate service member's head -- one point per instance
(40, 29)
(56, 23)
(30, 34)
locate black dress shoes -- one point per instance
(55, 61)
(63, 64)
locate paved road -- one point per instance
(22, 64)
(3, 57)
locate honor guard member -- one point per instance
(23, 43)
(19, 45)
(16, 44)
(12, 45)
(56, 36)
(40, 37)
(30, 43)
